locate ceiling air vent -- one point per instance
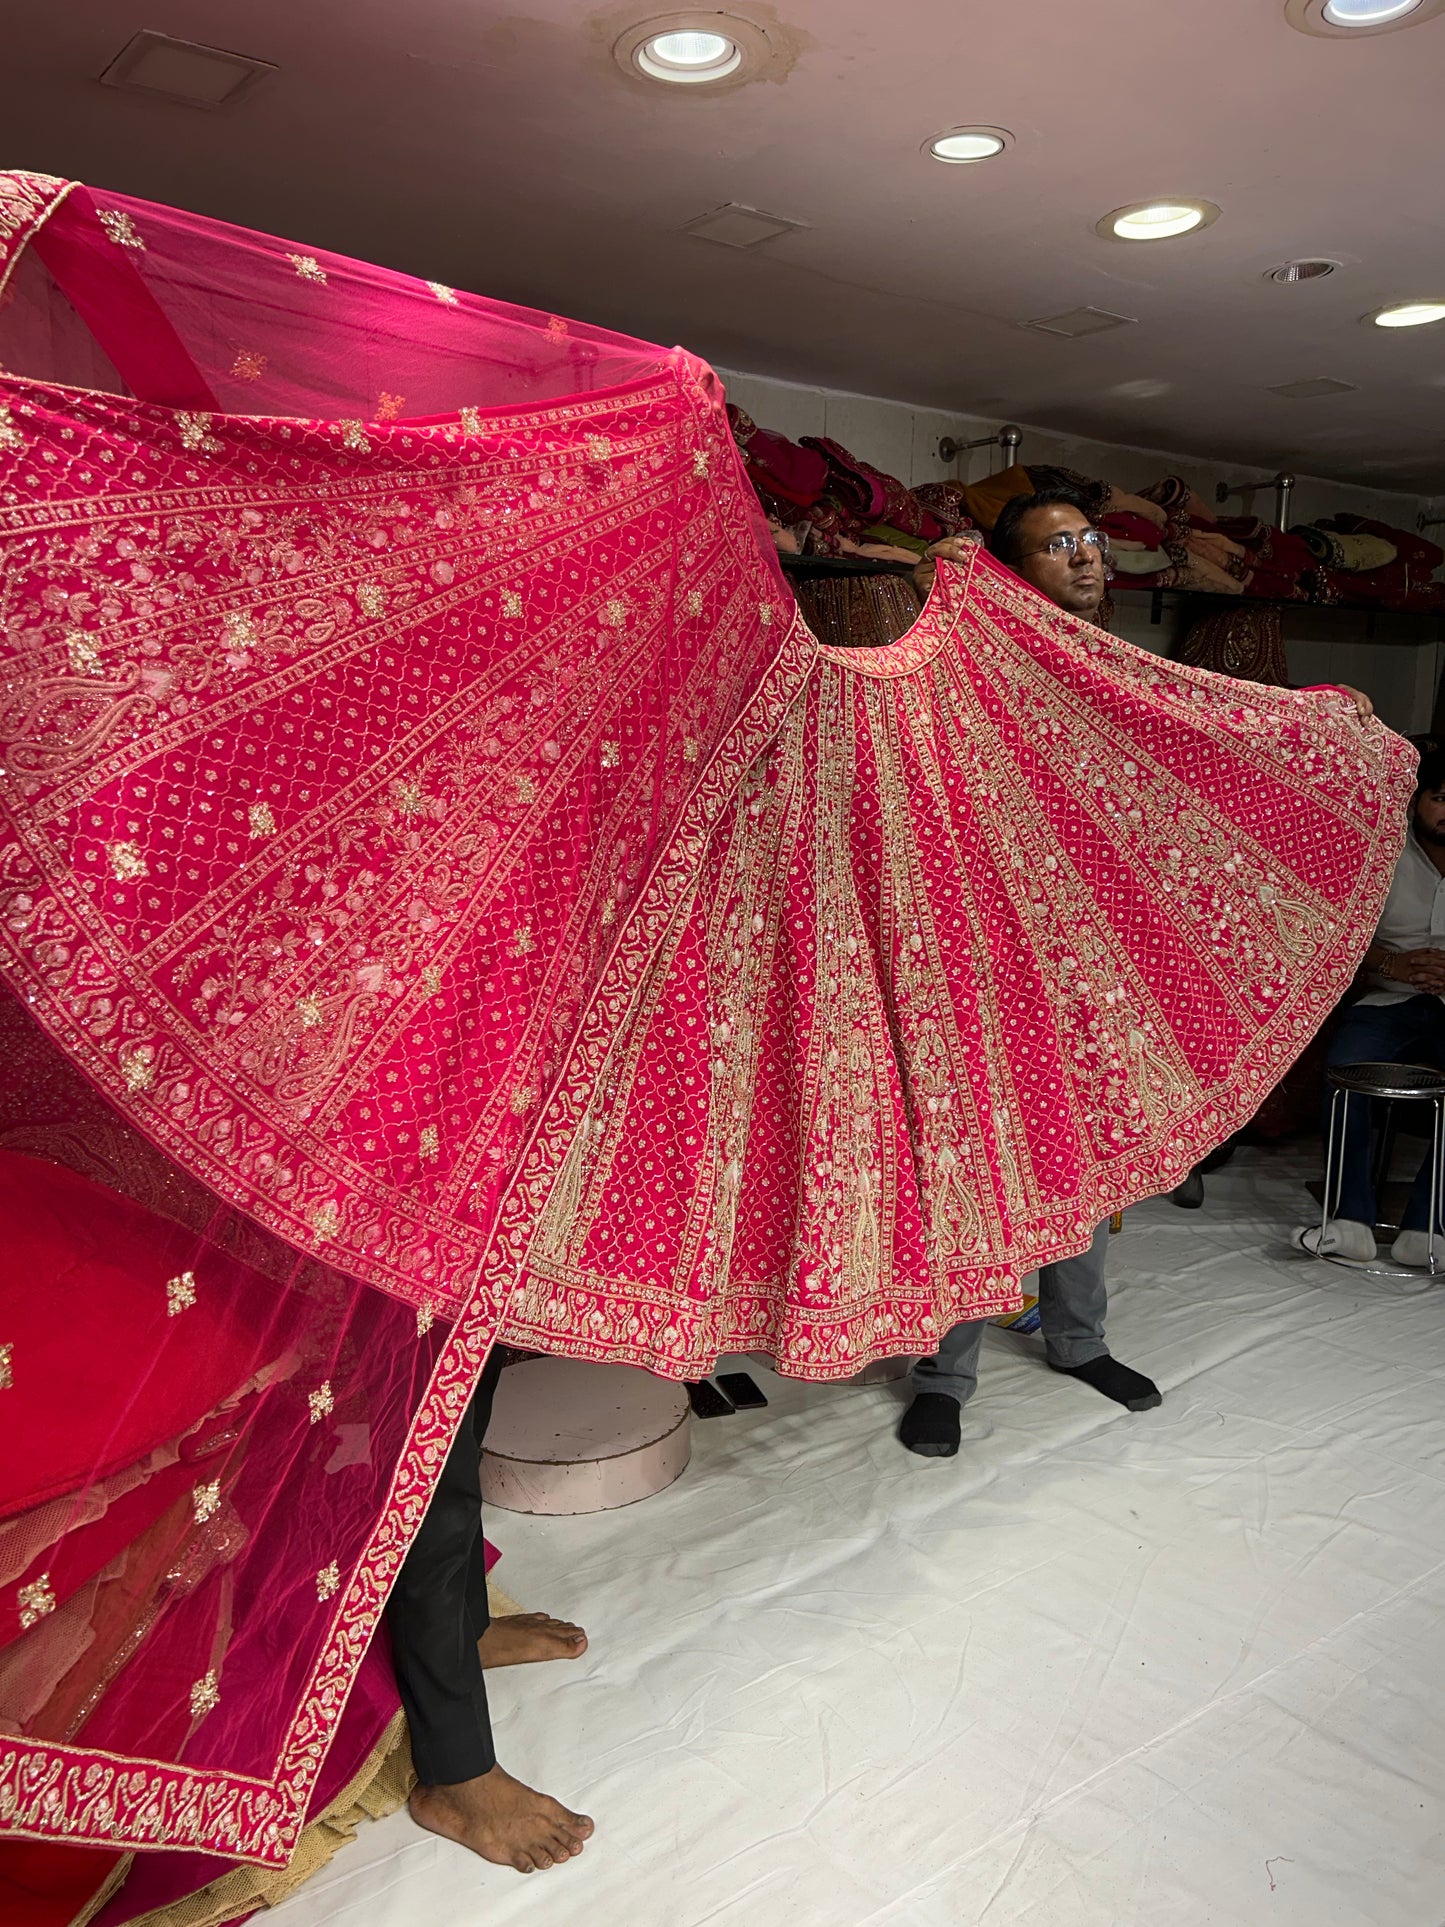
(153, 63)
(741, 227)
(1311, 390)
(1083, 321)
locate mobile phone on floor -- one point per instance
(744, 1392)
(706, 1400)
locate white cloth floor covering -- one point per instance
(1101, 1668)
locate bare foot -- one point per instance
(502, 1820)
(519, 1638)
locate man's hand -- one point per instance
(953, 548)
(1364, 709)
(1419, 969)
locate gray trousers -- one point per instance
(1073, 1300)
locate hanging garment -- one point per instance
(443, 875)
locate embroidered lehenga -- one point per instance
(448, 890)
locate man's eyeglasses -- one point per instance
(1066, 543)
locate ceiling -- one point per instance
(505, 152)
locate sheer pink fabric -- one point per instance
(444, 880)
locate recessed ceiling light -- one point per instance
(1354, 19)
(1409, 314)
(1306, 270)
(962, 144)
(1156, 220)
(696, 49)
(154, 63)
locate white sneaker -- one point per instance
(1343, 1238)
(1413, 1248)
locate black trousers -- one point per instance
(438, 1611)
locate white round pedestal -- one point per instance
(570, 1437)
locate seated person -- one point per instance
(1399, 1020)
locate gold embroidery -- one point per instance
(610, 755)
(353, 436)
(180, 1293)
(127, 865)
(36, 1600)
(322, 1401)
(556, 327)
(11, 440)
(372, 598)
(523, 942)
(431, 979)
(309, 1010)
(599, 447)
(700, 461)
(328, 1581)
(388, 407)
(120, 227)
(262, 822)
(137, 1067)
(7, 1368)
(240, 630)
(308, 267)
(522, 1100)
(327, 1221)
(196, 433)
(689, 749)
(84, 652)
(471, 420)
(428, 1144)
(408, 798)
(248, 365)
(615, 614)
(694, 602)
(765, 614)
(205, 1695)
(447, 296)
(511, 604)
(206, 1501)
(425, 1318)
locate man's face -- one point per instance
(1430, 816)
(1076, 582)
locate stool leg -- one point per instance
(1435, 1150)
(1384, 1150)
(1338, 1125)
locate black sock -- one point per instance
(1116, 1381)
(931, 1426)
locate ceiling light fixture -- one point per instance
(1355, 19)
(697, 49)
(1156, 220)
(1409, 314)
(1306, 270)
(960, 145)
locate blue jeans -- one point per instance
(1411, 1032)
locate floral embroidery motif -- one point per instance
(11, 439)
(408, 798)
(557, 328)
(522, 1100)
(84, 652)
(120, 227)
(388, 407)
(615, 613)
(327, 1221)
(689, 749)
(240, 632)
(425, 1319)
(205, 1695)
(471, 420)
(694, 602)
(353, 436)
(248, 365)
(511, 604)
(206, 1501)
(431, 980)
(127, 865)
(322, 1401)
(429, 1144)
(447, 296)
(599, 447)
(180, 1293)
(701, 460)
(372, 598)
(7, 1368)
(609, 755)
(523, 942)
(328, 1581)
(36, 1600)
(308, 267)
(196, 436)
(137, 1067)
(309, 1010)
(260, 820)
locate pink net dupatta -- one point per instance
(446, 886)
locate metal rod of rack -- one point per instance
(1283, 486)
(1424, 521)
(1007, 438)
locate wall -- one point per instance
(1392, 658)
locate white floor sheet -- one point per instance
(1100, 1669)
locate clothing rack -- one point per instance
(1283, 486)
(1007, 438)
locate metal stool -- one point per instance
(1390, 1084)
